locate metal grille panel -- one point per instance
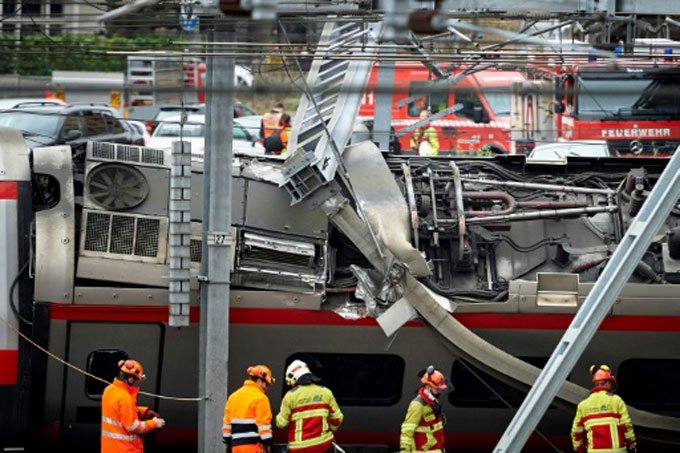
(196, 250)
(122, 235)
(268, 255)
(97, 232)
(152, 156)
(147, 237)
(103, 150)
(128, 153)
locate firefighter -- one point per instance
(423, 427)
(248, 414)
(425, 139)
(270, 121)
(309, 411)
(602, 423)
(123, 422)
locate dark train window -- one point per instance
(104, 364)
(357, 379)
(639, 383)
(469, 390)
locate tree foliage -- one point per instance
(39, 55)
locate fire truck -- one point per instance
(483, 96)
(633, 105)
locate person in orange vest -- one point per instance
(277, 143)
(270, 121)
(423, 427)
(123, 422)
(309, 411)
(602, 423)
(248, 415)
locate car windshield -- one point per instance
(177, 129)
(499, 100)
(602, 98)
(31, 123)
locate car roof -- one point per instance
(200, 119)
(10, 103)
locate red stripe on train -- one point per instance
(9, 360)
(278, 316)
(8, 190)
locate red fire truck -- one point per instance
(484, 97)
(633, 105)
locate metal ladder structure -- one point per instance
(325, 118)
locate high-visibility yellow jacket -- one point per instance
(429, 135)
(311, 414)
(423, 427)
(247, 419)
(121, 427)
(602, 424)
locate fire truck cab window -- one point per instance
(639, 383)
(432, 96)
(357, 379)
(104, 364)
(473, 108)
(473, 387)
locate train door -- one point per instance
(97, 347)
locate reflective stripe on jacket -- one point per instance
(247, 418)
(430, 135)
(270, 123)
(311, 414)
(121, 429)
(423, 427)
(602, 424)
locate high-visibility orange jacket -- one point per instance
(247, 419)
(121, 427)
(602, 424)
(423, 427)
(270, 123)
(311, 414)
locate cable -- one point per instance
(15, 310)
(92, 376)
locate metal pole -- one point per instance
(616, 273)
(382, 121)
(217, 243)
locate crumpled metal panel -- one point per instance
(380, 198)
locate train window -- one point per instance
(473, 387)
(357, 379)
(104, 364)
(639, 383)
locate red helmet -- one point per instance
(602, 373)
(133, 368)
(434, 378)
(263, 372)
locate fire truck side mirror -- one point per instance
(558, 107)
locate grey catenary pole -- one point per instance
(217, 243)
(616, 273)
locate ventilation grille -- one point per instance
(127, 153)
(196, 250)
(130, 237)
(264, 255)
(277, 253)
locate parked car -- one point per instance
(14, 103)
(140, 128)
(192, 130)
(47, 125)
(560, 151)
(167, 111)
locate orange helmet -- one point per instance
(434, 378)
(602, 373)
(263, 372)
(133, 368)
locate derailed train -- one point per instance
(513, 247)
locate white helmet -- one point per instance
(295, 371)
